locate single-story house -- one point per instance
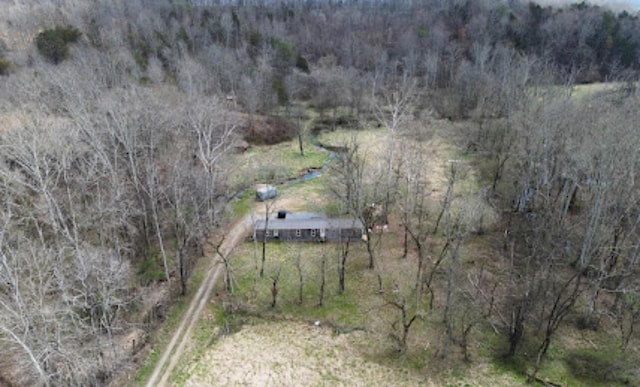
(307, 227)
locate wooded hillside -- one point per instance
(117, 119)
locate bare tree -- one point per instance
(415, 210)
(268, 212)
(301, 128)
(275, 279)
(189, 216)
(214, 129)
(627, 314)
(300, 279)
(401, 297)
(355, 191)
(393, 98)
(343, 251)
(332, 91)
(323, 277)
(448, 196)
(407, 317)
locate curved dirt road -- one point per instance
(170, 357)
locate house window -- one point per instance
(313, 233)
(298, 233)
(266, 233)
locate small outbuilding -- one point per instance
(307, 227)
(266, 192)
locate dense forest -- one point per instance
(115, 127)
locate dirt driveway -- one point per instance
(175, 350)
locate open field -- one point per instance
(292, 353)
(273, 163)
(287, 353)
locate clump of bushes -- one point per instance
(268, 131)
(302, 64)
(53, 43)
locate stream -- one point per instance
(311, 173)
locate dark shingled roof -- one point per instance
(303, 215)
(308, 224)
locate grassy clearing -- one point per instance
(290, 353)
(583, 92)
(310, 195)
(258, 165)
(242, 204)
(272, 164)
(329, 356)
(439, 153)
(281, 258)
(589, 90)
(371, 141)
(342, 310)
(304, 195)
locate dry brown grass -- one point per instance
(439, 151)
(290, 354)
(286, 353)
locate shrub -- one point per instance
(285, 51)
(149, 271)
(255, 40)
(5, 64)
(302, 64)
(585, 321)
(281, 91)
(268, 131)
(52, 43)
(285, 55)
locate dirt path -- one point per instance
(170, 357)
